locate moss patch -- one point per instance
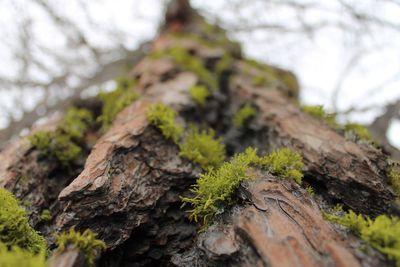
(14, 227)
(163, 117)
(17, 257)
(86, 242)
(243, 115)
(199, 94)
(64, 143)
(284, 163)
(215, 188)
(116, 100)
(319, 112)
(382, 233)
(190, 63)
(394, 180)
(45, 215)
(202, 147)
(359, 130)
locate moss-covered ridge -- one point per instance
(216, 187)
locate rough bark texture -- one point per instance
(128, 190)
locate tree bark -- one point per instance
(129, 189)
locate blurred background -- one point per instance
(345, 53)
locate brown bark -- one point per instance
(129, 189)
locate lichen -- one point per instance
(45, 215)
(15, 230)
(163, 117)
(319, 112)
(202, 147)
(382, 233)
(243, 115)
(86, 242)
(188, 62)
(199, 94)
(63, 144)
(216, 187)
(17, 257)
(116, 100)
(359, 130)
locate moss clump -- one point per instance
(64, 143)
(216, 187)
(319, 112)
(202, 147)
(394, 180)
(86, 242)
(359, 130)
(382, 233)
(163, 117)
(310, 190)
(243, 115)
(199, 94)
(22, 258)
(45, 215)
(116, 100)
(14, 227)
(189, 62)
(285, 163)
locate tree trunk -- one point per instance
(128, 185)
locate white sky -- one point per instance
(317, 63)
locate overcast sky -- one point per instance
(318, 62)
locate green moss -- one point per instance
(382, 233)
(86, 242)
(199, 94)
(190, 63)
(310, 190)
(116, 100)
(259, 80)
(163, 117)
(394, 180)
(319, 112)
(284, 163)
(243, 115)
(75, 123)
(45, 215)
(202, 147)
(359, 130)
(14, 227)
(17, 257)
(216, 187)
(272, 74)
(63, 143)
